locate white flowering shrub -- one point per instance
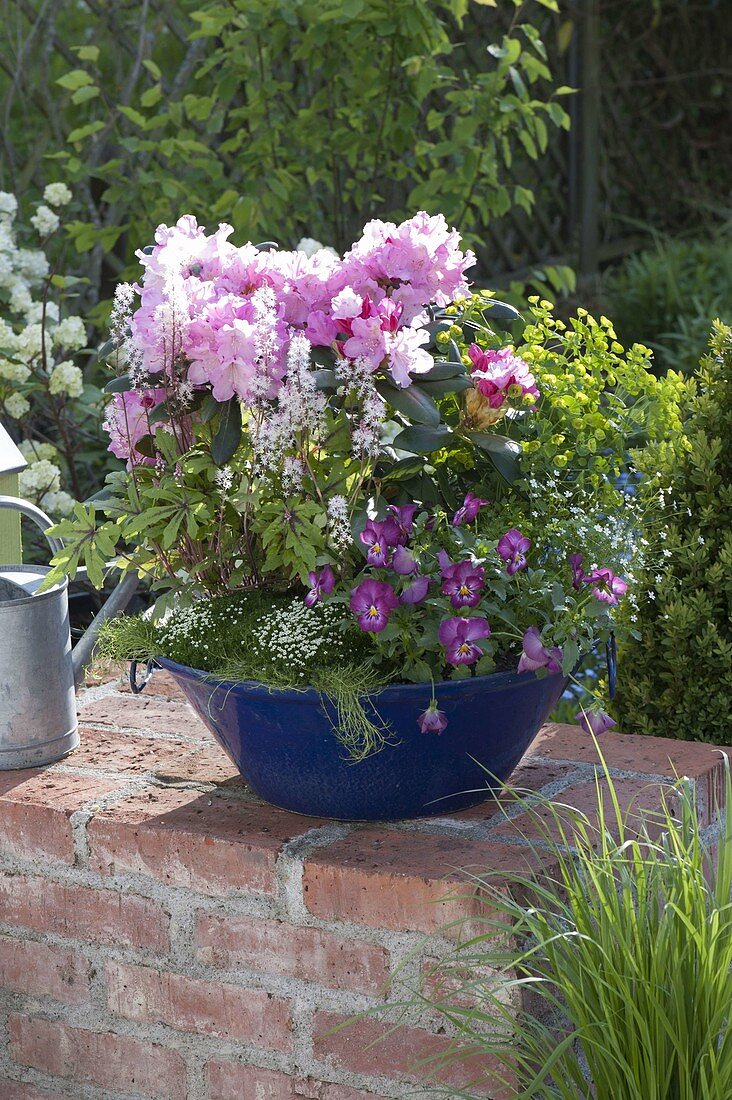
(44, 399)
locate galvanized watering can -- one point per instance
(38, 669)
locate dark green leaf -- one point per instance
(267, 246)
(411, 402)
(405, 468)
(447, 385)
(160, 414)
(146, 446)
(228, 432)
(422, 439)
(119, 385)
(325, 379)
(210, 408)
(504, 453)
(501, 313)
(441, 370)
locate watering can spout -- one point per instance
(116, 603)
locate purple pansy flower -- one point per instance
(380, 536)
(463, 583)
(535, 655)
(373, 602)
(459, 637)
(468, 510)
(607, 587)
(595, 722)
(416, 590)
(578, 573)
(432, 720)
(404, 517)
(321, 584)
(512, 547)
(403, 562)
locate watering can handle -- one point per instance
(39, 518)
(116, 603)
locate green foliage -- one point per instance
(620, 957)
(680, 672)
(669, 295)
(286, 127)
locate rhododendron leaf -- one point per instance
(447, 385)
(500, 313)
(228, 433)
(210, 408)
(411, 402)
(159, 414)
(119, 385)
(267, 246)
(405, 468)
(146, 446)
(109, 346)
(505, 454)
(441, 370)
(325, 379)
(423, 438)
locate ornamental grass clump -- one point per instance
(619, 960)
(363, 433)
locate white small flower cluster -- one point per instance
(57, 194)
(299, 409)
(296, 636)
(357, 378)
(224, 480)
(339, 522)
(45, 220)
(40, 482)
(190, 628)
(66, 378)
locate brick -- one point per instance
(276, 948)
(197, 841)
(88, 1057)
(530, 775)
(209, 764)
(39, 970)
(83, 913)
(646, 755)
(125, 753)
(407, 881)
(16, 1090)
(234, 1081)
(639, 801)
(143, 713)
(35, 807)
(370, 1047)
(249, 1016)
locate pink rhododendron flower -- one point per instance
(373, 602)
(127, 422)
(493, 372)
(536, 656)
(460, 637)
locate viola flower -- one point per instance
(432, 720)
(416, 590)
(535, 655)
(403, 562)
(594, 722)
(459, 637)
(463, 583)
(578, 574)
(512, 548)
(373, 602)
(321, 584)
(380, 536)
(468, 510)
(607, 587)
(404, 517)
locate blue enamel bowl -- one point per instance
(284, 745)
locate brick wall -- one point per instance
(165, 934)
